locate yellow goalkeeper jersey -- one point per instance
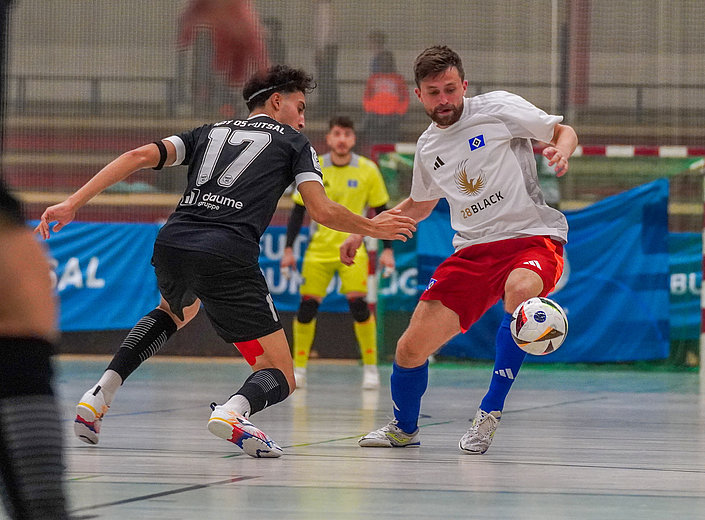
(357, 186)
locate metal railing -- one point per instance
(174, 92)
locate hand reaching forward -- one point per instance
(62, 213)
(391, 225)
(555, 156)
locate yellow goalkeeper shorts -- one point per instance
(317, 275)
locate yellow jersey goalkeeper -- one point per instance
(356, 183)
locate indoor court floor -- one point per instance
(573, 444)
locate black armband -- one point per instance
(295, 222)
(387, 244)
(162, 155)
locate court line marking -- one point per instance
(143, 412)
(348, 437)
(326, 441)
(595, 466)
(543, 406)
(162, 494)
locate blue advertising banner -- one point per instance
(105, 281)
(614, 288)
(685, 253)
(102, 274)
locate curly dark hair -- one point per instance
(435, 60)
(279, 78)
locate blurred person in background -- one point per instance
(386, 97)
(31, 464)
(276, 47)
(228, 42)
(325, 34)
(356, 183)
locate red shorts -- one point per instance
(472, 280)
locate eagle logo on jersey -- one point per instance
(468, 185)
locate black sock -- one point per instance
(144, 340)
(264, 388)
(30, 432)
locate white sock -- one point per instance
(238, 403)
(109, 383)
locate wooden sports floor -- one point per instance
(573, 444)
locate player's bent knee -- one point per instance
(188, 313)
(359, 309)
(307, 310)
(409, 355)
(518, 295)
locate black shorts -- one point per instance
(234, 296)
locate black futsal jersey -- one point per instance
(237, 171)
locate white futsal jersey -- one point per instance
(484, 166)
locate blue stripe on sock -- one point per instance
(508, 361)
(408, 386)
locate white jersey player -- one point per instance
(489, 178)
(477, 154)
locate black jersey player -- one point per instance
(207, 252)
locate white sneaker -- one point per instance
(300, 377)
(370, 377)
(235, 428)
(478, 438)
(89, 415)
(390, 436)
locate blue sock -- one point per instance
(507, 362)
(408, 386)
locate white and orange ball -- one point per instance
(539, 326)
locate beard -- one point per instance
(446, 119)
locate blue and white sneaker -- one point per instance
(478, 438)
(390, 436)
(235, 428)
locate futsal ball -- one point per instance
(539, 326)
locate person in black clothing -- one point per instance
(207, 252)
(31, 469)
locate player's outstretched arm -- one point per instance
(408, 207)
(147, 156)
(388, 225)
(561, 147)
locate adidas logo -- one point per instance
(505, 372)
(535, 263)
(191, 198)
(438, 163)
